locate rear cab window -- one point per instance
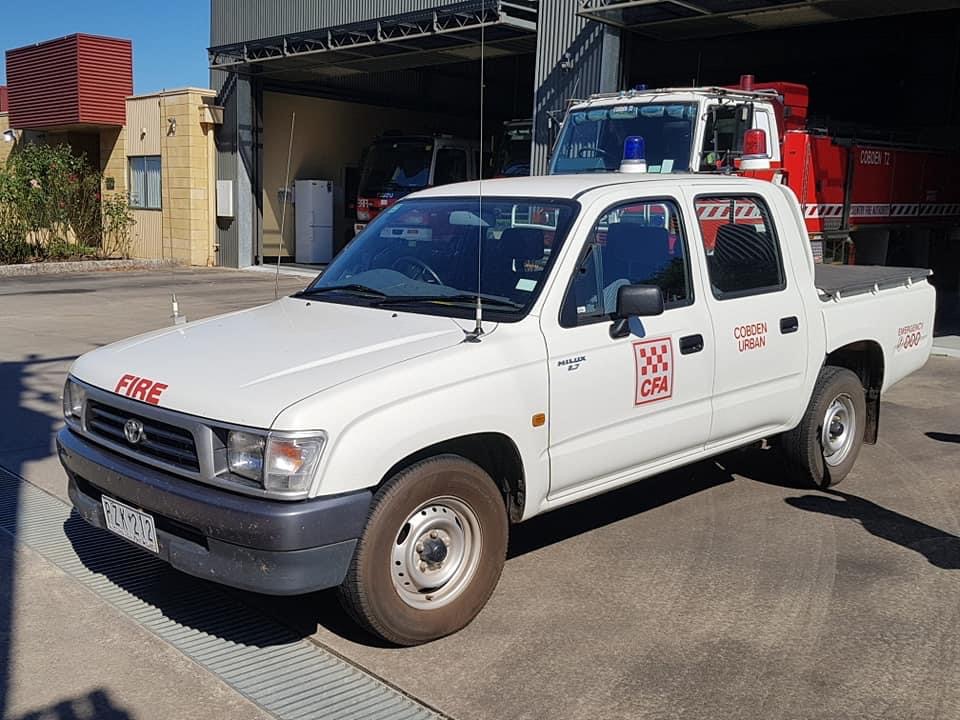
(741, 245)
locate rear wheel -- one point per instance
(824, 446)
(431, 553)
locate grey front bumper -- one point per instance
(267, 546)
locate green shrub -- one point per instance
(51, 208)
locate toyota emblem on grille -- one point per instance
(133, 431)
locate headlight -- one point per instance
(73, 398)
(245, 454)
(275, 461)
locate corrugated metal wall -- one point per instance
(105, 74)
(143, 126)
(235, 21)
(70, 80)
(575, 58)
(3, 98)
(147, 234)
(42, 84)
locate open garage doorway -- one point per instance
(333, 131)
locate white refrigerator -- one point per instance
(313, 200)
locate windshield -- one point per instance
(422, 255)
(513, 158)
(592, 139)
(393, 165)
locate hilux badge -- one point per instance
(133, 431)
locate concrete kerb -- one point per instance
(81, 266)
(948, 345)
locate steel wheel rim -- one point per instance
(839, 430)
(425, 575)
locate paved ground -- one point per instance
(717, 591)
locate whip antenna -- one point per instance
(474, 335)
(283, 210)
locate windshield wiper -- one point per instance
(460, 299)
(351, 288)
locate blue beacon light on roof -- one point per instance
(634, 155)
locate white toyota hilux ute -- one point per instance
(369, 433)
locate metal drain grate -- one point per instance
(284, 674)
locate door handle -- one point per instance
(691, 344)
(789, 325)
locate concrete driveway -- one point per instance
(715, 591)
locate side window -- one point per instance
(637, 243)
(144, 173)
(743, 255)
(720, 141)
(451, 166)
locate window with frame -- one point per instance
(640, 242)
(743, 255)
(145, 182)
(451, 166)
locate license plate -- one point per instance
(135, 526)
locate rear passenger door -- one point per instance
(621, 406)
(758, 316)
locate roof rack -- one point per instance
(708, 90)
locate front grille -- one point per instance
(162, 442)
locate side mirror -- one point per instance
(635, 301)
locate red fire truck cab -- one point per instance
(845, 185)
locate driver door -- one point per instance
(621, 407)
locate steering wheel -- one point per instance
(425, 270)
(585, 152)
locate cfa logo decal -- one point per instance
(654, 364)
(140, 388)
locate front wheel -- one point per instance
(431, 553)
(824, 446)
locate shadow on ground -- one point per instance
(944, 437)
(940, 548)
(25, 433)
(96, 705)
(238, 616)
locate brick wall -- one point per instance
(188, 183)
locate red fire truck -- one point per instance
(846, 185)
(396, 165)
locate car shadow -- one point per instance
(939, 547)
(187, 600)
(614, 506)
(308, 613)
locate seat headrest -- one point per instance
(641, 236)
(523, 243)
(741, 243)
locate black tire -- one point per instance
(804, 445)
(437, 490)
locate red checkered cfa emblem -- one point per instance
(654, 363)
